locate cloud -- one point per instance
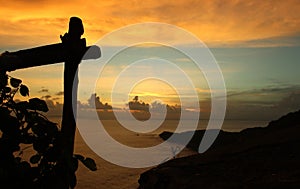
(31, 32)
(60, 93)
(56, 98)
(263, 104)
(282, 41)
(55, 108)
(214, 22)
(43, 91)
(271, 90)
(242, 108)
(47, 97)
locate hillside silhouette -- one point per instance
(263, 157)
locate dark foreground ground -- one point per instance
(267, 157)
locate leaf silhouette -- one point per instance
(7, 89)
(40, 145)
(79, 157)
(3, 79)
(15, 82)
(35, 159)
(38, 104)
(90, 163)
(24, 91)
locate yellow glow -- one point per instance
(151, 90)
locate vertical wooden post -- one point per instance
(74, 44)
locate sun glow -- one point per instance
(152, 89)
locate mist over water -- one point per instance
(171, 125)
(114, 176)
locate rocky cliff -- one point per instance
(266, 157)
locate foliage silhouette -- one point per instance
(95, 102)
(23, 126)
(135, 104)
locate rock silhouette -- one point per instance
(266, 157)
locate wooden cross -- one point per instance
(72, 50)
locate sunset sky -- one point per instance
(255, 43)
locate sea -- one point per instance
(114, 176)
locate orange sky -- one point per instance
(27, 23)
(220, 24)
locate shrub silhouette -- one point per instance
(22, 123)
